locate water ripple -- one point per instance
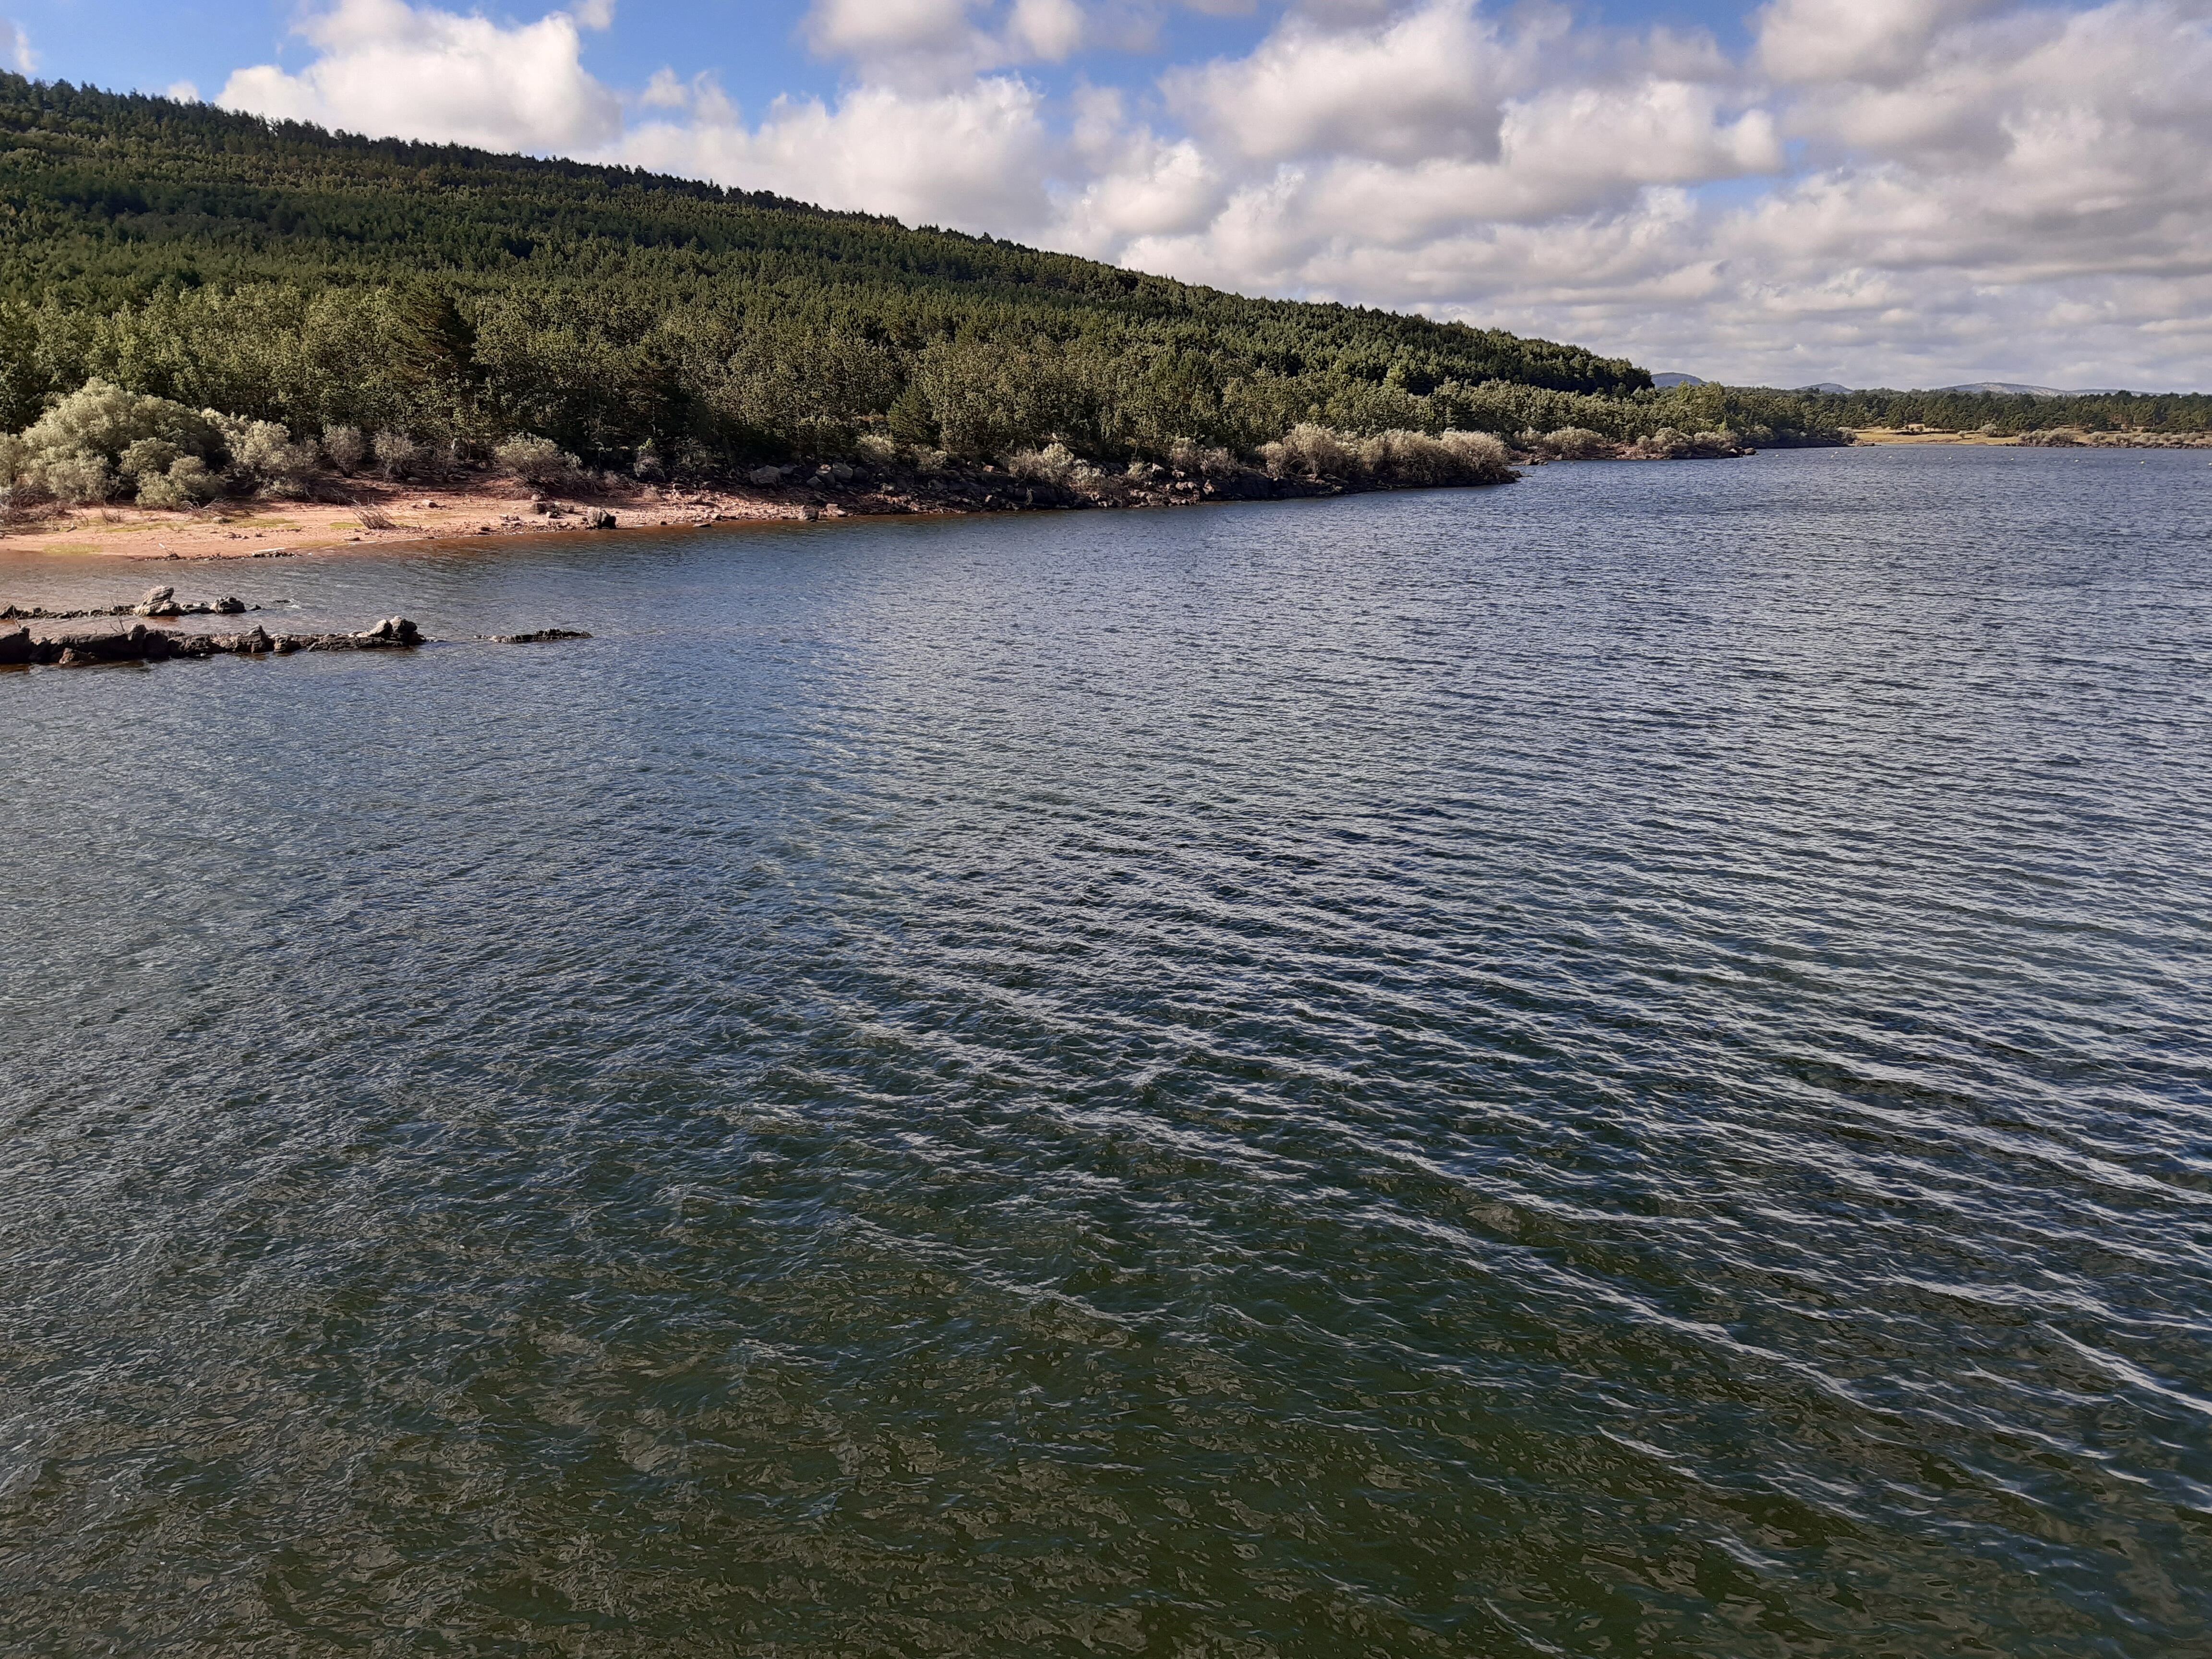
(1615, 1067)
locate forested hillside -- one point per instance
(282, 273)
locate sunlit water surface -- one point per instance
(1612, 1066)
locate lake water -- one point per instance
(1616, 1067)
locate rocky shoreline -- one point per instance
(160, 602)
(139, 643)
(20, 648)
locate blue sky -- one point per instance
(1873, 191)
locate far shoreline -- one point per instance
(1877, 437)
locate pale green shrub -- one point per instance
(399, 456)
(1055, 463)
(147, 457)
(1313, 451)
(535, 460)
(83, 449)
(1668, 444)
(1482, 457)
(1409, 458)
(345, 447)
(1188, 455)
(75, 478)
(264, 456)
(186, 483)
(1572, 443)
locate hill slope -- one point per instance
(286, 273)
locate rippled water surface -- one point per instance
(1612, 1066)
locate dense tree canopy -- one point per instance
(330, 283)
(283, 273)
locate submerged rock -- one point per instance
(540, 637)
(136, 643)
(140, 643)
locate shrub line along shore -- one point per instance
(106, 469)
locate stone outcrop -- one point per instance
(164, 602)
(139, 643)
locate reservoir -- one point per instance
(1616, 1066)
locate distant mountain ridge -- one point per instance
(1672, 377)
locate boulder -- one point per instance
(158, 602)
(137, 643)
(15, 648)
(254, 642)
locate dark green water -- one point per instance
(1615, 1066)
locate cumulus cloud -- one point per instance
(979, 168)
(915, 43)
(1900, 189)
(1904, 191)
(390, 68)
(1878, 41)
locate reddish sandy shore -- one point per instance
(479, 507)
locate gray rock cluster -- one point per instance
(164, 602)
(139, 643)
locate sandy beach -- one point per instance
(381, 513)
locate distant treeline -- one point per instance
(2005, 414)
(280, 273)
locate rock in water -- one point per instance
(158, 602)
(541, 636)
(15, 648)
(138, 643)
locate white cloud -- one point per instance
(16, 48)
(1878, 41)
(1894, 190)
(935, 43)
(979, 169)
(1985, 188)
(1430, 82)
(387, 68)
